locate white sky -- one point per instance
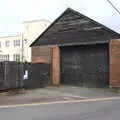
(14, 12)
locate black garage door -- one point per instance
(85, 65)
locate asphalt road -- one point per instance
(94, 110)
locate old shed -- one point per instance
(80, 53)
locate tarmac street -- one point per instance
(85, 110)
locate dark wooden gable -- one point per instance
(73, 28)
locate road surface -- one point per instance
(88, 110)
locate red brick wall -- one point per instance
(41, 54)
(56, 65)
(114, 52)
(48, 54)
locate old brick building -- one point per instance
(82, 51)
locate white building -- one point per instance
(16, 48)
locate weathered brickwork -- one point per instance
(48, 54)
(114, 54)
(41, 54)
(56, 65)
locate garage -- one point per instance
(80, 50)
(85, 65)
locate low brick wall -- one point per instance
(114, 54)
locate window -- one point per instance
(16, 43)
(4, 57)
(16, 57)
(7, 43)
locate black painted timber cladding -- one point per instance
(73, 28)
(85, 65)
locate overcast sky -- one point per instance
(14, 12)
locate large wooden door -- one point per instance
(85, 65)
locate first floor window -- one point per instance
(16, 43)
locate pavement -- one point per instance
(52, 94)
(84, 92)
(81, 110)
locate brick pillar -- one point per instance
(56, 65)
(114, 72)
